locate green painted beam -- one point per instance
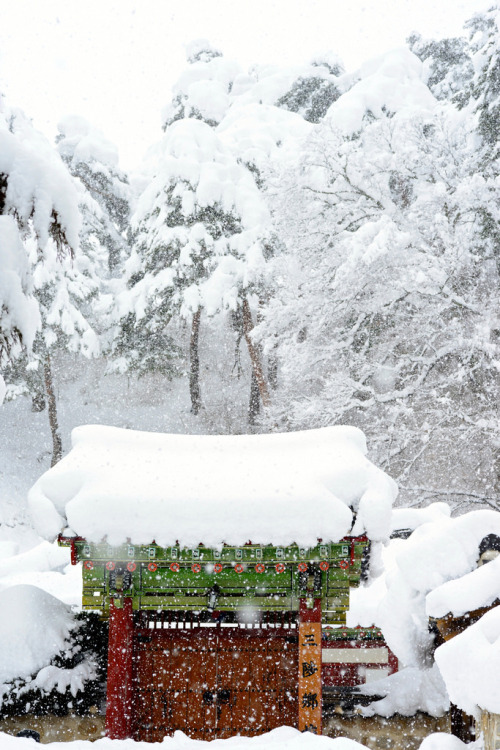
(263, 578)
(333, 552)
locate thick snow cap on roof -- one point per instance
(470, 664)
(118, 484)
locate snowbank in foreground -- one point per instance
(34, 627)
(46, 567)
(284, 738)
(186, 489)
(440, 741)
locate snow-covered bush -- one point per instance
(49, 658)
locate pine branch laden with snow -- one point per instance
(105, 194)
(203, 90)
(20, 318)
(203, 234)
(484, 43)
(38, 206)
(39, 192)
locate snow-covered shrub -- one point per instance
(51, 660)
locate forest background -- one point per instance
(305, 246)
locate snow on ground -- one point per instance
(284, 738)
(46, 566)
(448, 742)
(408, 691)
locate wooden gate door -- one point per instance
(175, 678)
(215, 682)
(257, 682)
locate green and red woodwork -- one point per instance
(211, 634)
(217, 642)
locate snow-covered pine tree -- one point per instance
(203, 234)
(315, 89)
(19, 314)
(38, 208)
(264, 138)
(449, 66)
(65, 289)
(484, 40)
(63, 277)
(203, 90)
(93, 161)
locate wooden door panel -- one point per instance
(215, 684)
(240, 710)
(289, 707)
(257, 714)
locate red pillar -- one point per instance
(310, 698)
(119, 697)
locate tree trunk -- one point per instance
(254, 404)
(254, 355)
(54, 426)
(194, 373)
(272, 370)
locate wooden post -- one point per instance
(310, 699)
(119, 696)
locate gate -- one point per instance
(215, 682)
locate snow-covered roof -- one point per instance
(418, 571)
(118, 484)
(477, 589)
(470, 664)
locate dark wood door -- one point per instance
(215, 682)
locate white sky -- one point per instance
(114, 61)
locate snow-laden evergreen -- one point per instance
(202, 239)
(38, 214)
(106, 196)
(203, 91)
